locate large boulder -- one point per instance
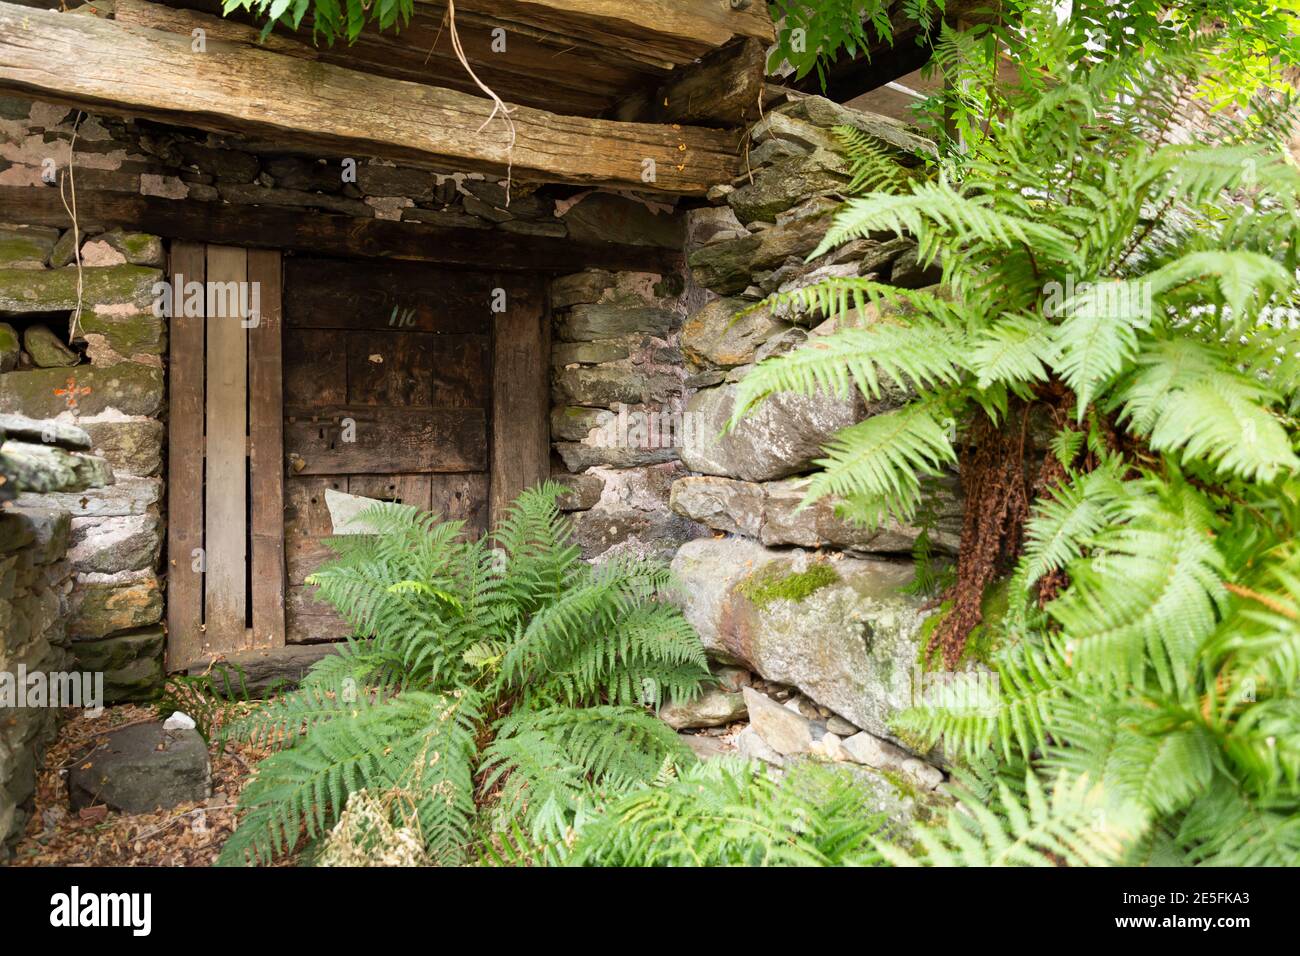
(779, 438)
(142, 768)
(841, 631)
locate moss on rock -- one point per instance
(770, 584)
(55, 290)
(127, 335)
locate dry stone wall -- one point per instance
(100, 368)
(36, 582)
(796, 593)
(812, 604)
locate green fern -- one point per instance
(503, 679)
(730, 813)
(1128, 290)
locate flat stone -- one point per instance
(719, 336)
(605, 385)
(604, 217)
(258, 674)
(44, 431)
(26, 247)
(415, 184)
(579, 456)
(707, 223)
(48, 468)
(576, 422)
(780, 437)
(871, 751)
(787, 182)
(137, 682)
(55, 290)
(112, 338)
(818, 525)
(127, 496)
(129, 387)
(729, 267)
(229, 165)
(133, 446)
(724, 504)
(611, 319)
(781, 729)
(752, 747)
(105, 604)
(581, 288)
(51, 531)
(588, 353)
(838, 725)
(827, 114)
(141, 769)
(110, 545)
(47, 350)
(632, 532)
(714, 707)
(584, 491)
(116, 653)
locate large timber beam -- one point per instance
(133, 71)
(320, 233)
(661, 32)
(725, 88)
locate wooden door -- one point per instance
(225, 541)
(388, 395)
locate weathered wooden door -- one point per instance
(387, 380)
(388, 385)
(225, 541)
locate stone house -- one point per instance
(260, 280)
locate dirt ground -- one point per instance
(190, 834)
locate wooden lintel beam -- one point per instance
(670, 32)
(232, 88)
(724, 88)
(303, 230)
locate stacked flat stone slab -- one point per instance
(102, 370)
(36, 581)
(618, 392)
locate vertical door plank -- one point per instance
(226, 517)
(266, 451)
(521, 438)
(185, 465)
